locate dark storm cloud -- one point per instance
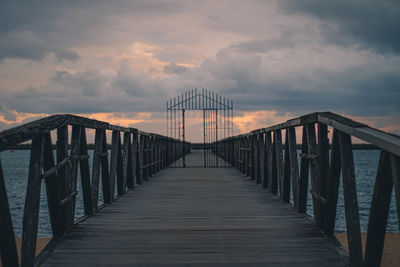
(275, 62)
(89, 91)
(265, 45)
(366, 24)
(27, 45)
(369, 89)
(32, 30)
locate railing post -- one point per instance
(294, 166)
(98, 146)
(304, 172)
(350, 200)
(51, 185)
(261, 151)
(378, 215)
(286, 170)
(271, 166)
(72, 178)
(129, 172)
(85, 175)
(395, 164)
(315, 175)
(8, 248)
(62, 154)
(253, 158)
(32, 201)
(141, 157)
(105, 171)
(115, 162)
(279, 160)
(125, 163)
(333, 185)
(134, 159)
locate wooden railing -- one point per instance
(134, 158)
(262, 155)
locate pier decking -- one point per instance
(196, 216)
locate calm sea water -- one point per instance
(15, 169)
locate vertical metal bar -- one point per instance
(224, 120)
(232, 118)
(174, 149)
(183, 139)
(216, 137)
(175, 116)
(166, 112)
(204, 127)
(170, 113)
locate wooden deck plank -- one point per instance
(196, 216)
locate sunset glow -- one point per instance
(277, 60)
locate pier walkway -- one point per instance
(196, 216)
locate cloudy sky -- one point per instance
(121, 60)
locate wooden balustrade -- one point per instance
(261, 155)
(135, 157)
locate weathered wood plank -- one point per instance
(85, 175)
(263, 169)
(332, 185)
(115, 148)
(286, 171)
(395, 165)
(350, 200)
(315, 175)
(294, 166)
(379, 212)
(141, 157)
(125, 163)
(30, 220)
(279, 160)
(51, 186)
(105, 173)
(270, 163)
(62, 154)
(8, 249)
(98, 146)
(304, 173)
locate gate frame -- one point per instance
(211, 104)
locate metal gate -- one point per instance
(217, 123)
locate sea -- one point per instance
(15, 170)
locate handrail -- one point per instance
(263, 156)
(383, 140)
(135, 157)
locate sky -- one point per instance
(119, 61)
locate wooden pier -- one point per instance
(251, 212)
